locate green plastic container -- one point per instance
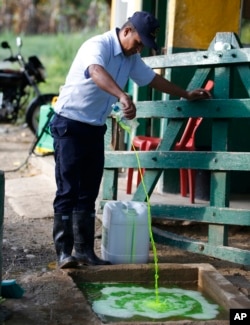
(45, 144)
(10, 289)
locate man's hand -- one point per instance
(197, 94)
(202, 93)
(128, 107)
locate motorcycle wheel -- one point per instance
(33, 110)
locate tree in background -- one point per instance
(52, 16)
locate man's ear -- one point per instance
(127, 30)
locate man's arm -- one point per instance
(168, 87)
(105, 82)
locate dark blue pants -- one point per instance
(79, 163)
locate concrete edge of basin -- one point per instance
(220, 289)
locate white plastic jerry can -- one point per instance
(125, 232)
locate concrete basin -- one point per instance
(205, 276)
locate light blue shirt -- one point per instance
(80, 98)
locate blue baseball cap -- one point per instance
(146, 26)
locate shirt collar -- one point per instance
(117, 45)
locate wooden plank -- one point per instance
(213, 108)
(244, 72)
(108, 135)
(208, 160)
(230, 254)
(206, 214)
(211, 58)
(110, 182)
(219, 189)
(227, 38)
(199, 78)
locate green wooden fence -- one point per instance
(222, 109)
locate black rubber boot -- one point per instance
(64, 241)
(84, 229)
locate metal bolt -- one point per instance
(201, 247)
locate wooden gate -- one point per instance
(223, 55)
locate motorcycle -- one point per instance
(19, 89)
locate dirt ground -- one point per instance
(28, 252)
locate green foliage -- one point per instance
(52, 16)
(245, 32)
(56, 53)
(61, 50)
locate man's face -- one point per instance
(131, 42)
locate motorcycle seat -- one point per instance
(10, 71)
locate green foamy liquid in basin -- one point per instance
(127, 302)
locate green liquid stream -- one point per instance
(156, 267)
